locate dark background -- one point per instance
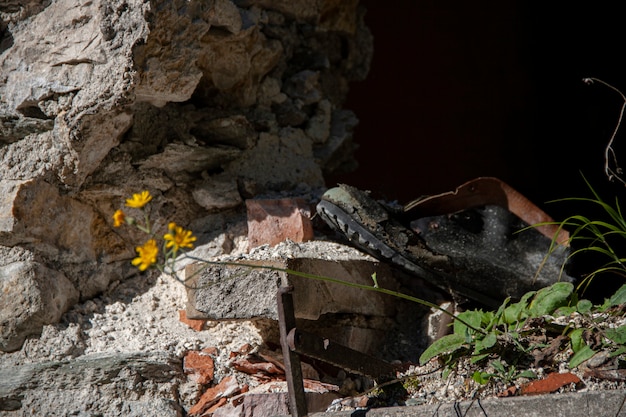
(457, 91)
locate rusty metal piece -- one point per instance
(293, 368)
(335, 354)
(488, 191)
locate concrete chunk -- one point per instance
(239, 290)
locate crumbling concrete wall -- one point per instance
(204, 103)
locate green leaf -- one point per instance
(582, 355)
(487, 319)
(584, 306)
(481, 377)
(478, 357)
(471, 317)
(565, 311)
(517, 311)
(489, 340)
(576, 340)
(446, 344)
(617, 335)
(619, 297)
(375, 280)
(527, 374)
(619, 351)
(498, 366)
(548, 299)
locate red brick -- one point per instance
(200, 365)
(551, 383)
(273, 221)
(197, 325)
(226, 388)
(215, 406)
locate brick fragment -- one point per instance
(197, 325)
(214, 407)
(226, 388)
(273, 221)
(551, 383)
(200, 365)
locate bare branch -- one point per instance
(610, 158)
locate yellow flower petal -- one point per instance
(147, 255)
(178, 238)
(139, 200)
(118, 218)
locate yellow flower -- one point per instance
(139, 200)
(178, 238)
(118, 218)
(147, 255)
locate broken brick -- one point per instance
(253, 366)
(200, 365)
(551, 383)
(273, 221)
(226, 388)
(197, 325)
(215, 406)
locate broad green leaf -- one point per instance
(487, 319)
(582, 355)
(471, 317)
(489, 340)
(565, 311)
(548, 299)
(617, 335)
(517, 311)
(619, 297)
(446, 344)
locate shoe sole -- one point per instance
(364, 239)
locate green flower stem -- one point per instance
(146, 217)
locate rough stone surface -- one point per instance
(203, 103)
(31, 296)
(598, 403)
(121, 353)
(136, 322)
(272, 404)
(144, 384)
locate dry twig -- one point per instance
(610, 159)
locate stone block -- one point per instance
(107, 384)
(246, 288)
(31, 296)
(272, 399)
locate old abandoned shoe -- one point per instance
(483, 252)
